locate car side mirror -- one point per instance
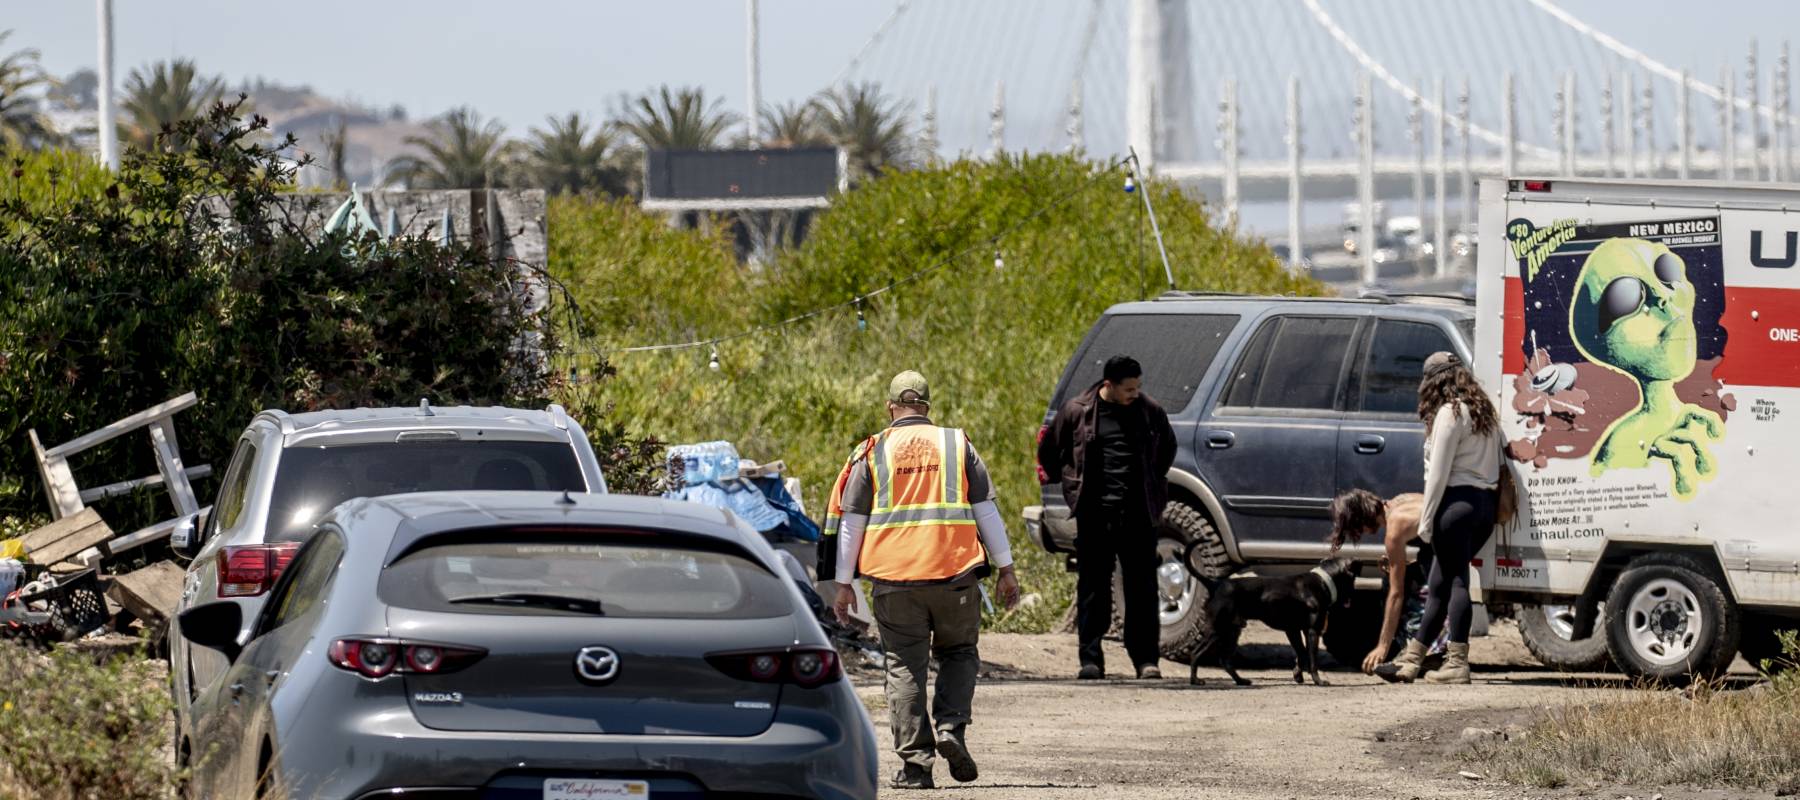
(184, 539)
(214, 625)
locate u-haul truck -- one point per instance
(1641, 341)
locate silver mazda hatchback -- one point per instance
(540, 645)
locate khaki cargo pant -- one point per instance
(918, 624)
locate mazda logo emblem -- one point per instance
(597, 664)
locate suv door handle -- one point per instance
(1370, 444)
(1220, 440)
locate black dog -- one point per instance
(1296, 604)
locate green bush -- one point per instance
(183, 272)
(76, 729)
(993, 341)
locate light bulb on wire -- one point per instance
(999, 263)
(714, 364)
(1130, 183)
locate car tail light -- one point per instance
(376, 658)
(250, 570)
(1043, 477)
(1534, 186)
(805, 668)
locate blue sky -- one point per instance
(525, 59)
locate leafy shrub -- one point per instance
(73, 728)
(993, 341)
(183, 272)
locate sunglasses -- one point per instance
(1627, 295)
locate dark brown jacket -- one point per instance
(1064, 452)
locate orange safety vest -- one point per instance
(921, 525)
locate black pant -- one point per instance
(1102, 539)
(1464, 521)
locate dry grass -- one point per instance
(1707, 736)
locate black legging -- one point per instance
(1463, 523)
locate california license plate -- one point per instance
(586, 789)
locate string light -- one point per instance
(714, 364)
(1130, 184)
(999, 263)
(862, 323)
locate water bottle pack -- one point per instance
(707, 462)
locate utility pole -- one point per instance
(109, 125)
(1075, 128)
(1728, 126)
(1441, 135)
(1784, 127)
(1628, 104)
(1509, 124)
(1296, 242)
(997, 123)
(1468, 168)
(929, 136)
(1755, 92)
(1415, 132)
(1228, 145)
(1609, 134)
(1143, 58)
(753, 75)
(1684, 127)
(1563, 122)
(1365, 145)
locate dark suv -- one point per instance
(1278, 405)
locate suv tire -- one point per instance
(1545, 632)
(1668, 620)
(1184, 536)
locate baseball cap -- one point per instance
(1441, 360)
(909, 387)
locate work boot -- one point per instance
(1404, 669)
(912, 776)
(1149, 672)
(955, 752)
(1456, 665)
(1090, 672)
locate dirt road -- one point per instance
(1040, 734)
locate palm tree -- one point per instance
(569, 158)
(462, 152)
(21, 123)
(676, 120)
(171, 91)
(873, 130)
(792, 125)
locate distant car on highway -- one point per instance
(539, 645)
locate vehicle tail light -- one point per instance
(250, 570)
(1535, 186)
(804, 668)
(376, 658)
(1043, 477)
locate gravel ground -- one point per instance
(1038, 733)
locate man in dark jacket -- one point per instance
(1112, 448)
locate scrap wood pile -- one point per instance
(75, 577)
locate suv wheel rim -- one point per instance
(1664, 622)
(1174, 586)
(1561, 620)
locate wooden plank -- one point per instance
(151, 593)
(59, 530)
(168, 462)
(59, 482)
(126, 487)
(81, 539)
(122, 427)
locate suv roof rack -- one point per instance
(1431, 298)
(1184, 294)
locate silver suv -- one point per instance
(289, 469)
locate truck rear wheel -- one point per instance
(1668, 620)
(1546, 631)
(1761, 642)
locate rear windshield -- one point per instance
(1173, 349)
(311, 480)
(632, 581)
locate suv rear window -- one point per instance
(1174, 350)
(627, 580)
(311, 480)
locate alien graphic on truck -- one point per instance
(1641, 323)
(1633, 312)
